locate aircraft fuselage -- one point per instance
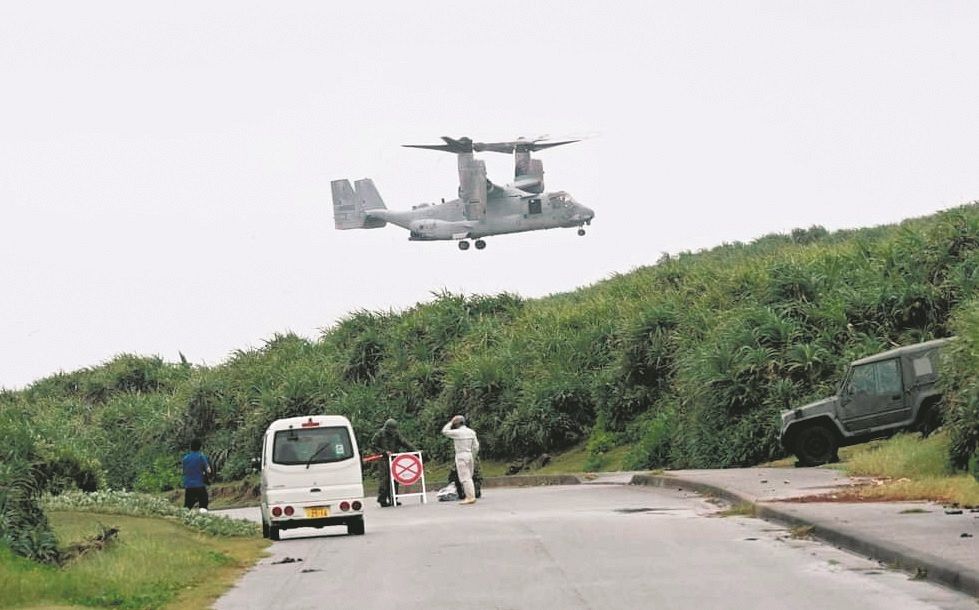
(508, 210)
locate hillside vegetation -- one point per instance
(687, 362)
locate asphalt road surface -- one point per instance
(579, 546)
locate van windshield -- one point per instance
(328, 444)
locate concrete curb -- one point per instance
(531, 480)
(886, 551)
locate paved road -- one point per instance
(582, 546)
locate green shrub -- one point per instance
(654, 446)
(24, 528)
(160, 474)
(960, 368)
(132, 503)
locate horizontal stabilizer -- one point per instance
(352, 204)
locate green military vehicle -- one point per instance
(880, 395)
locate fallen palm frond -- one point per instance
(96, 543)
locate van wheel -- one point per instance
(273, 532)
(816, 444)
(356, 527)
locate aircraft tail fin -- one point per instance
(352, 204)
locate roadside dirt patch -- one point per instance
(855, 493)
(877, 490)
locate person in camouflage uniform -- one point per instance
(388, 440)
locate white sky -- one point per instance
(165, 167)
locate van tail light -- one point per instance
(345, 506)
(357, 505)
(276, 512)
(289, 511)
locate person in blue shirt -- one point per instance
(196, 467)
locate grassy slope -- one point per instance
(687, 361)
(189, 570)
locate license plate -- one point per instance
(317, 512)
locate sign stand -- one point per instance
(406, 469)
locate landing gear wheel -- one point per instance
(463, 245)
(581, 231)
(480, 244)
(273, 532)
(355, 527)
(815, 445)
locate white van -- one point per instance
(311, 475)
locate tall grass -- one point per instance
(687, 361)
(904, 456)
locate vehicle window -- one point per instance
(922, 366)
(878, 378)
(328, 444)
(863, 380)
(888, 377)
(533, 206)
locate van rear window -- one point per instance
(312, 445)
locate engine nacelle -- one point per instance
(432, 229)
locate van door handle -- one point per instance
(314, 490)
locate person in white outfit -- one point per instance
(466, 447)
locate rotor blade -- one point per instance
(445, 147)
(541, 146)
(462, 145)
(518, 146)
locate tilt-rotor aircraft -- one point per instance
(483, 208)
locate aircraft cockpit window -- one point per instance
(560, 200)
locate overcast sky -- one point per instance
(165, 168)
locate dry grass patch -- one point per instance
(802, 532)
(742, 509)
(908, 468)
(957, 489)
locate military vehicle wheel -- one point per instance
(273, 533)
(355, 527)
(930, 420)
(463, 245)
(480, 244)
(816, 444)
(581, 231)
